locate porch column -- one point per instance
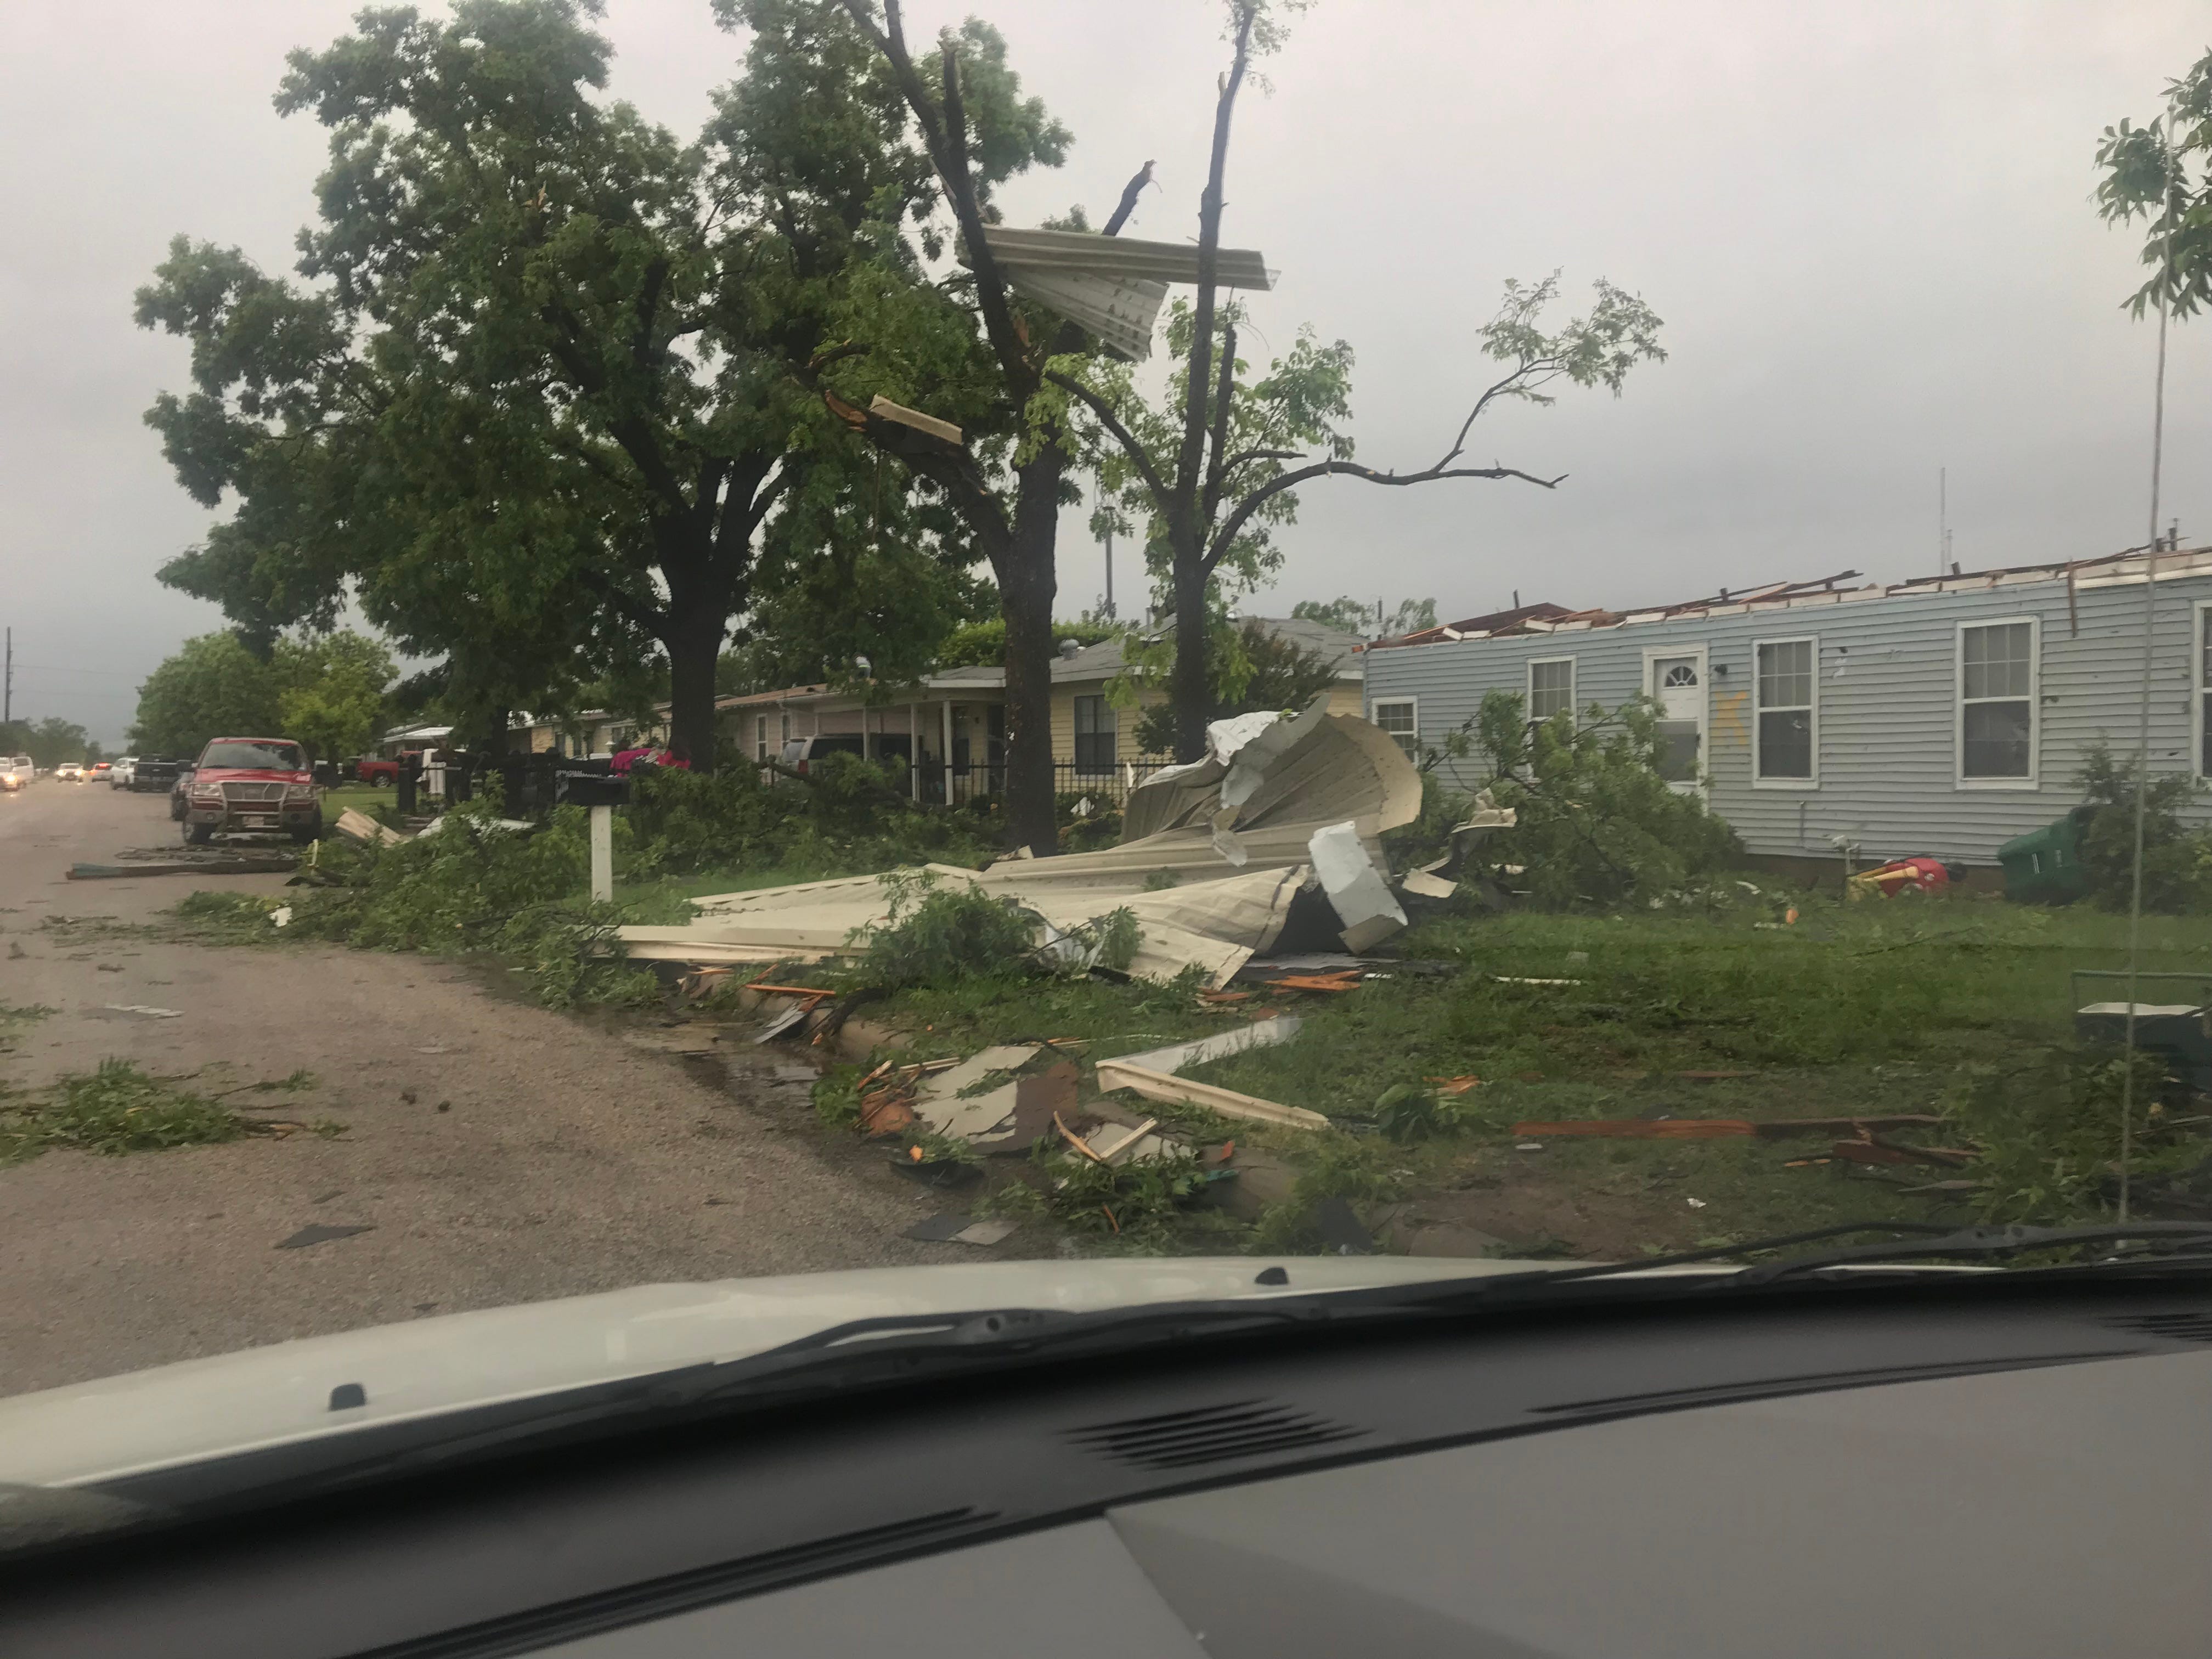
(913, 752)
(946, 706)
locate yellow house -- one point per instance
(950, 729)
(1093, 739)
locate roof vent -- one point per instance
(1210, 1434)
(1069, 647)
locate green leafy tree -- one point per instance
(2161, 173)
(212, 687)
(984, 644)
(1212, 473)
(48, 742)
(972, 354)
(327, 691)
(1249, 668)
(1597, 825)
(2176, 862)
(1357, 616)
(335, 703)
(538, 405)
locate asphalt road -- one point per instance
(565, 1159)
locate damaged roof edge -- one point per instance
(2129, 566)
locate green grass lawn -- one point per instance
(1878, 1007)
(359, 796)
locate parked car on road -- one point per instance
(119, 774)
(251, 786)
(177, 786)
(157, 773)
(15, 772)
(69, 772)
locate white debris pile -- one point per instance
(1277, 807)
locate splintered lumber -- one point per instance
(1161, 1085)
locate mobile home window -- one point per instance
(760, 736)
(1784, 684)
(1996, 702)
(1551, 688)
(1400, 717)
(1094, 736)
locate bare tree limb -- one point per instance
(1226, 535)
(1127, 205)
(1200, 371)
(1107, 418)
(1224, 384)
(1520, 378)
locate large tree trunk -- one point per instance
(1190, 685)
(694, 648)
(1027, 587)
(698, 622)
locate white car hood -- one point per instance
(263, 1397)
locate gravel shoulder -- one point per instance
(565, 1159)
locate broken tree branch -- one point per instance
(1107, 418)
(1240, 515)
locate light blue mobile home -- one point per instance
(1941, 716)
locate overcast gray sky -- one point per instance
(1868, 228)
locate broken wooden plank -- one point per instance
(1348, 980)
(1160, 1085)
(1075, 1139)
(1108, 1154)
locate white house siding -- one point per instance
(1887, 757)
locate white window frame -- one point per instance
(1377, 705)
(759, 739)
(2034, 780)
(2200, 689)
(1759, 779)
(1529, 684)
(1654, 654)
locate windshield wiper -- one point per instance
(2171, 1240)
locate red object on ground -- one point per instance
(629, 757)
(1920, 875)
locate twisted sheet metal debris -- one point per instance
(1274, 785)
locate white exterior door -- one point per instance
(1677, 684)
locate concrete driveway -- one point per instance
(496, 1152)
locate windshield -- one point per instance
(275, 756)
(1617, 667)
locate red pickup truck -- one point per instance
(251, 786)
(375, 768)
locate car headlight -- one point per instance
(207, 792)
(299, 791)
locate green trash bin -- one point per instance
(2044, 867)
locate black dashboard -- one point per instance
(1952, 1469)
